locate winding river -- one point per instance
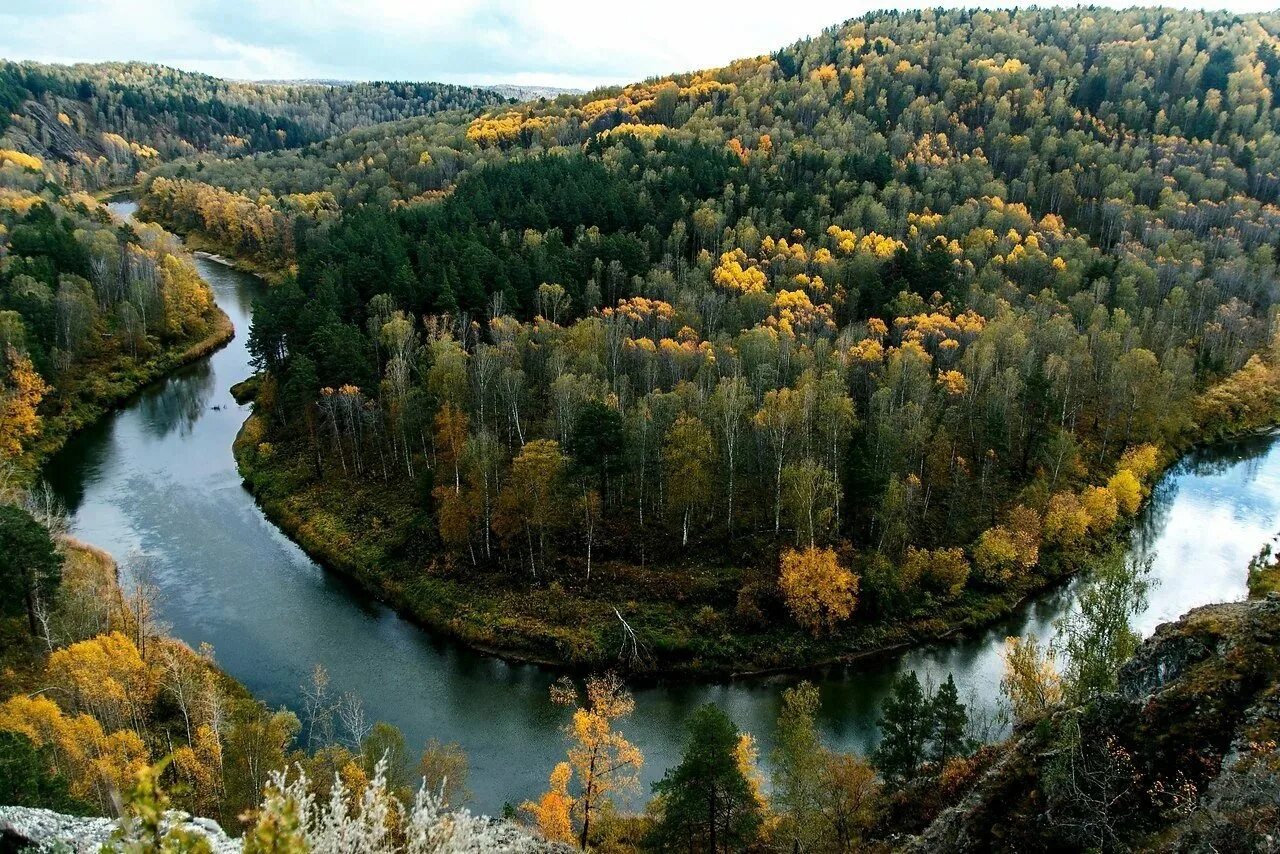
(157, 478)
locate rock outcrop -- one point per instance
(41, 133)
(1183, 757)
(23, 828)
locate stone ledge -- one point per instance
(46, 830)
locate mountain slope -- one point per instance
(113, 117)
(881, 332)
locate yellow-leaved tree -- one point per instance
(1031, 680)
(21, 390)
(601, 760)
(1101, 505)
(819, 591)
(551, 811)
(106, 677)
(1066, 520)
(747, 757)
(530, 503)
(1005, 551)
(199, 766)
(94, 763)
(1127, 489)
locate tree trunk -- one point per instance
(713, 819)
(730, 519)
(777, 499)
(586, 804)
(31, 611)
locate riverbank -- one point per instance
(199, 243)
(89, 594)
(99, 389)
(163, 473)
(370, 533)
(373, 534)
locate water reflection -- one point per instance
(159, 477)
(177, 402)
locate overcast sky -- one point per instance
(535, 42)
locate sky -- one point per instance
(567, 43)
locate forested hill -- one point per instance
(106, 120)
(878, 331)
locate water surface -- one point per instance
(158, 478)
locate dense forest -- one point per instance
(101, 123)
(762, 363)
(778, 364)
(90, 310)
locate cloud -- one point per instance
(579, 43)
(572, 42)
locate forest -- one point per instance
(117, 694)
(90, 310)
(777, 365)
(770, 363)
(98, 124)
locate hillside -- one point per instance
(148, 731)
(91, 310)
(782, 365)
(1182, 758)
(781, 362)
(102, 122)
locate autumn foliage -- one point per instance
(21, 390)
(819, 591)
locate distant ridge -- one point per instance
(515, 91)
(531, 93)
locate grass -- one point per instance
(1264, 580)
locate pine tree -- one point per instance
(30, 566)
(904, 727)
(707, 803)
(949, 720)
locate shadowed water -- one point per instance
(158, 477)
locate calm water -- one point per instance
(158, 477)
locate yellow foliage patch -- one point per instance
(9, 157)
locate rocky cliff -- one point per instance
(23, 828)
(38, 131)
(1183, 757)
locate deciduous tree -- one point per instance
(604, 763)
(1031, 680)
(689, 461)
(21, 391)
(530, 504)
(819, 591)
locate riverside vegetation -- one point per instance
(1172, 747)
(767, 365)
(90, 311)
(788, 361)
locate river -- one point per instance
(157, 477)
